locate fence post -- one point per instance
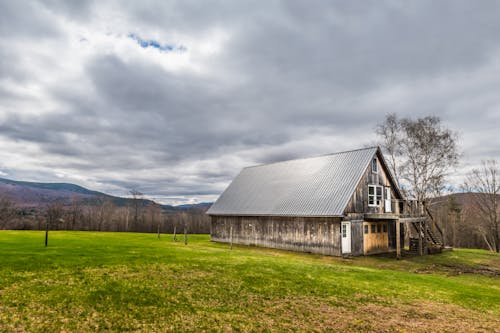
(231, 235)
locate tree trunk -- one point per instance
(497, 237)
(46, 234)
(158, 230)
(185, 236)
(126, 219)
(175, 233)
(420, 239)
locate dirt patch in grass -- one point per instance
(453, 269)
(480, 269)
(308, 314)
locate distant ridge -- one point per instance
(36, 194)
(201, 205)
(52, 186)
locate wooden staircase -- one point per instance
(426, 236)
(431, 235)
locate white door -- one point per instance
(388, 200)
(346, 237)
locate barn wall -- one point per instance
(303, 234)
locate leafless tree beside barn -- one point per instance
(420, 152)
(484, 184)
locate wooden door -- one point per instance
(346, 237)
(388, 200)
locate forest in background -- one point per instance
(103, 214)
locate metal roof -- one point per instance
(316, 186)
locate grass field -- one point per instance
(86, 282)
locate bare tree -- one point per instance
(137, 198)
(390, 132)
(105, 211)
(154, 211)
(53, 216)
(184, 220)
(7, 210)
(484, 184)
(75, 212)
(421, 153)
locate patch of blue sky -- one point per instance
(145, 43)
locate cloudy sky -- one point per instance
(173, 98)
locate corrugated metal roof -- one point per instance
(316, 186)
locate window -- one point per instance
(374, 195)
(379, 228)
(344, 231)
(373, 228)
(374, 165)
(366, 228)
(385, 227)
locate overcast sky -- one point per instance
(173, 98)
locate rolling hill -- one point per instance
(34, 194)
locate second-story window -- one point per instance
(374, 165)
(374, 195)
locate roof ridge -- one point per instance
(310, 157)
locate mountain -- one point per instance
(202, 205)
(34, 194)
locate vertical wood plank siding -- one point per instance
(359, 199)
(304, 234)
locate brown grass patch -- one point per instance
(307, 314)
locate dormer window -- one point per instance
(374, 166)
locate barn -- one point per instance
(339, 204)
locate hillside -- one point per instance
(102, 282)
(33, 194)
(461, 220)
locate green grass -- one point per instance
(89, 281)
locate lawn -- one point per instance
(90, 281)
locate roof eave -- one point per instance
(272, 215)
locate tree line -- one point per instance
(102, 215)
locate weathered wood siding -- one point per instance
(304, 234)
(359, 200)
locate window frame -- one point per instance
(375, 165)
(375, 199)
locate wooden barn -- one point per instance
(345, 203)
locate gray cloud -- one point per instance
(26, 20)
(290, 79)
